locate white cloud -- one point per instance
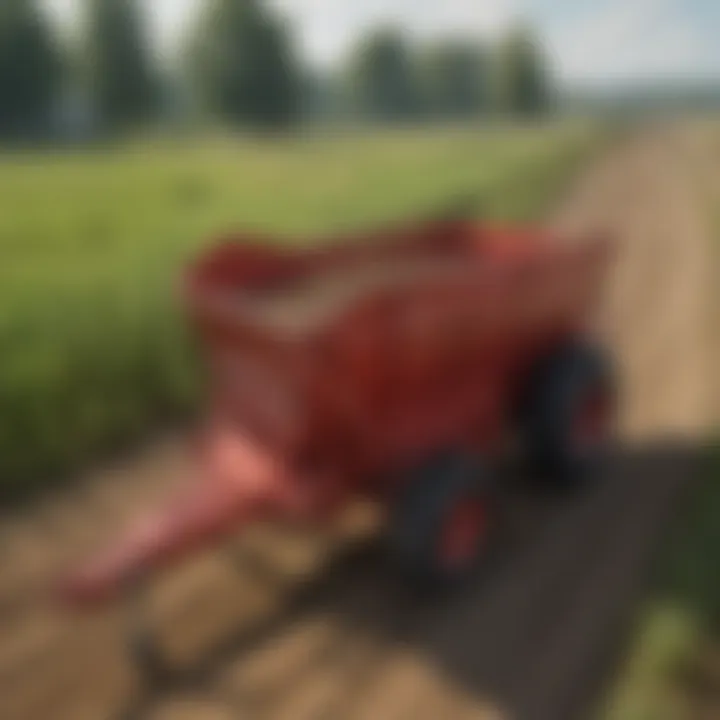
(62, 10)
(633, 39)
(327, 28)
(170, 18)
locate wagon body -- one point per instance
(331, 369)
(355, 359)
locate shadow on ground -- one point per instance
(536, 632)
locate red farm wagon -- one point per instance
(395, 365)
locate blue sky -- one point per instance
(588, 40)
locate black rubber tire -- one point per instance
(556, 391)
(421, 510)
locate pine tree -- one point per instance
(243, 66)
(122, 81)
(523, 80)
(30, 69)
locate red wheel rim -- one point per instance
(463, 531)
(591, 423)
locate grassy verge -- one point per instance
(93, 350)
(673, 654)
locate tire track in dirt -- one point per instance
(332, 638)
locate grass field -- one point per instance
(92, 348)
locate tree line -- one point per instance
(240, 66)
(391, 78)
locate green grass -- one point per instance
(681, 619)
(92, 346)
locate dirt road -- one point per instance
(305, 633)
